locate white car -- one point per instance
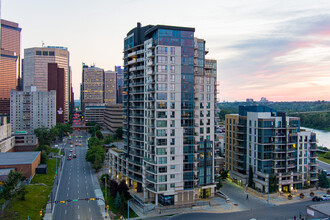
(325, 197)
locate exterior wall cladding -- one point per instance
(272, 144)
(168, 116)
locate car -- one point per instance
(76, 144)
(70, 155)
(79, 141)
(80, 145)
(325, 197)
(71, 145)
(71, 142)
(69, 158)
(74, 156)
(316, 199)
(71, 150)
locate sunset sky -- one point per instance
(265, 48)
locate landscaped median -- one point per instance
(322, 158)
(37, 195)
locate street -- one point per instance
(323, 166)
(280, 212)
(76, 183)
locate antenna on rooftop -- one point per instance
(42, 43)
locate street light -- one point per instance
(105, 201)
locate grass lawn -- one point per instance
(35, 200)
(36, 197)
(111, 203)
(323, 159)
(48, 178)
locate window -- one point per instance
(161, 114)
(162, 87)
(172, 167)
(172, 59)
(45, 53)
(201, 130)
(38, 52)
(202, 97)
(172, 79)
(172, 87)
(162, 160)
(172, 176)
(172, 50)
(162, 169)
(208, 97)
(172, 158)
(208, 88)
(202, 88)
(162, 50)
(161, 151)
(163, 178)
(162, 96)
(161, 105)
(172, 132)
(172, 96)
(208, 130)
(172, 141)
(172, 114)
(161, 123)
(208, 80)
(172, 105)
(172, 150)
(172, 69)
(161, 78)
(161, 142)
(162, 187)
(162, 59)
(161, 133)
(162, 68)
(172, 124)
(51, 53)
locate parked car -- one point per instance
(74, 155)
(325, 197)
(316, 199)
(69, 158)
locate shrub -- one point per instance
(312, 194)
(302, 195)
(290, 197)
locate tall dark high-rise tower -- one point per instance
(168, 98)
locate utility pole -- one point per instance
(105, 207)
(128, 209)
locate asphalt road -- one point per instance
(76, 183)
(323, 166)
(281, 212)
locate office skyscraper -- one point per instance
(119, 83)
(92, 86)
(168, 116)
(110, 87)
(36, 70)
(269, 143)
(10, 42)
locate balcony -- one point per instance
(131, 54)
(151, 188)
(151, 179)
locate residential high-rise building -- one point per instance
(168, 100)
(56, 82)
(92, 86)
(120, 82)
(263, 142)
(7, 140)
(31, 109)
(110, 87)
(10, 42)
(35, 70)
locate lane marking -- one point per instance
(89, 209)
(67, 194)
(78, 216)
(78, 206)
(65, 211)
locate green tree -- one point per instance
(323, 180)
(119, 133)
(21, 192)
(219, 184)
(117, 201)
(9, 186)
(123, 206)
(113, 188)
(224, 175)
(43, 157)
(251, 183)
(123, 189)
(109, 139)
(327, 155)
(273, 184)
(99, 135)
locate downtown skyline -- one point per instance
(267, 49)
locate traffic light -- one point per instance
(107, 207)
(40, 213)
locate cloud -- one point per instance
(295, 52)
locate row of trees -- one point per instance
(118, 193)
(315, 120)
(48, 136)
(13, 187)
(96, 151)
